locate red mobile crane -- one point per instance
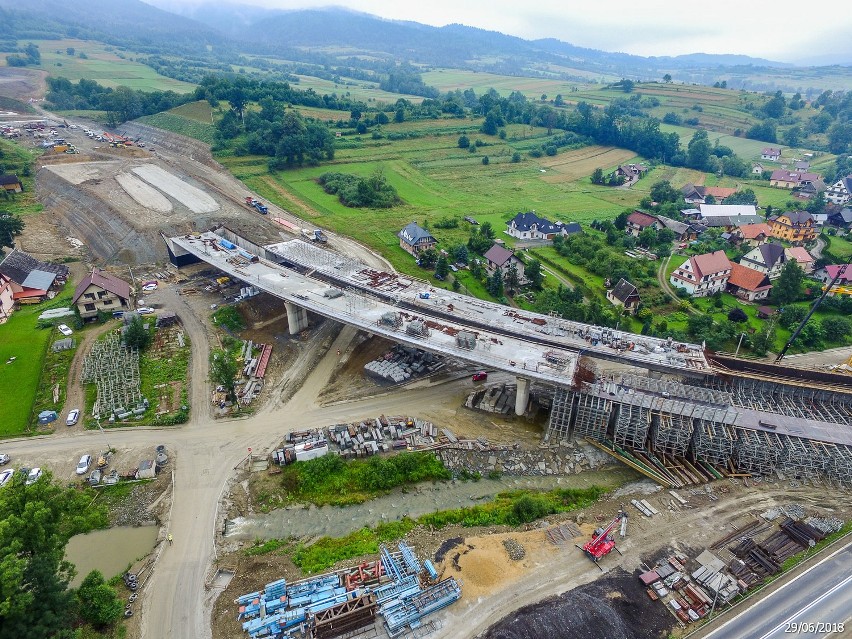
(603, 542)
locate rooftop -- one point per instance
(747, 278)
(103, 280)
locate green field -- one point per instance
(190, 127)
(451, 79)
(361, 90)
(104, 65)
(841, 247)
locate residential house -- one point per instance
(10, 182)
(753, 234)
(770, 153)
(100, 291)
(529, 226)
(683, 231)
(414, 239)
(631, 172)
(703, 275)
(748, 284)
(841, 191)
(827, 274)
(498, 256)
(801, 256)
(795, 227)
(757, 169)
(810, 189)
(698, 194)
(32, 280)
(765, 312)
(639, 221)
(841, 219)
(7, 300)
(801, 165)
(624, 294)
(767, 258)
(730, 223)
(786, 179)
(729, 210)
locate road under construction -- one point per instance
(704, 417)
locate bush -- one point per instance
(529, 508)
(373, 192)
(738, 315)
(229, 318)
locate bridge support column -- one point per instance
(655, 374)
(297, 318)
(523, 396)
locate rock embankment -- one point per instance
(551, 460)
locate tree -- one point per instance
(791, 316)
(665, 237)
(238, 100)
(10, 226)
(494, 283)
(534, 275)
(37, 522)
(427, 258)
(512, 279)
(597, 176)
(442, 268)
(460, 254)
(382, 118)
(667, 78)
(663, 192)
(788, 287)
(620, 221)
(516, 157)
(698, 151)
(738, 315)
(836, 328)
(485, 160)
(223, 371)
(399, 116)
(746, 196)
(464, 142)
(648, 237)
(135, 335)
(99, 603)
(793, 136)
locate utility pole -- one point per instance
(740, 343)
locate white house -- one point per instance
(768, 259)
(703, 275)
(529, 226)
(771, 154)
(841, 191)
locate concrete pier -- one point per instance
(523, 396)
(297, 318)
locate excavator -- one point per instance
(603, 542)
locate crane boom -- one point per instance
(604, 541)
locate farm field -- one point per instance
(451, 79)
(104, 66)
(191, 127)
(841, 247)
(362, 90)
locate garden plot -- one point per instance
(571, 166)
(144, 194)
(194, 199)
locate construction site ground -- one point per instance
(526, 596)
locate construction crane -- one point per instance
(603, 542)
(815, 306)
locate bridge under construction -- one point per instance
(702, 415)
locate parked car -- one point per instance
(4, 459)
(95, 477)
(6, 476)
(149, 286)
(480, 376)
(33, 476)
(83, 464)
(63, 328)
(144, 310)
(73, 416)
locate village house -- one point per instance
(703, 275)
(31, 280)
(827, 274)
(10, 182)
(639, 221)
(786, 179)
(801, 165)
(800, 255)
(631, 172)
(100, 291)
(7, 301)
(683, 231)
(757, 169)
(529, 226)
(414, 239)
(767, 258)
(729, 224)
(841, 219)
(624, 294)
(498, 256)
(796, 227)
(810, 189)
(726, 210)
(698, 194)
(770, 153)
(748, 284)
(841, 191)
(753, 234)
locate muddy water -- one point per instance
(298, 521)
(109, 551)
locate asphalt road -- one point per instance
(816, 604)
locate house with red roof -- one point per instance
(748, 284)
(703, 275)
(638, 221)
(827, 274)
(801, 256)
(100, 291)
(770, 153)
(753, 234)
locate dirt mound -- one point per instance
(615, 602)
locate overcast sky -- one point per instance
(785, 30)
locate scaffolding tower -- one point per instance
(632, 422)
(804, 457)
(757, 451)
(591, 416)
(671, 428)
(559, 423)
(712, 438)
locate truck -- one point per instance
(315, 235)
(257, 204)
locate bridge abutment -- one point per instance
(297, 318)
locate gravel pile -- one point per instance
(516, 551)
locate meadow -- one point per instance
(104, 64)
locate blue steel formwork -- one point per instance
(400, 614)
